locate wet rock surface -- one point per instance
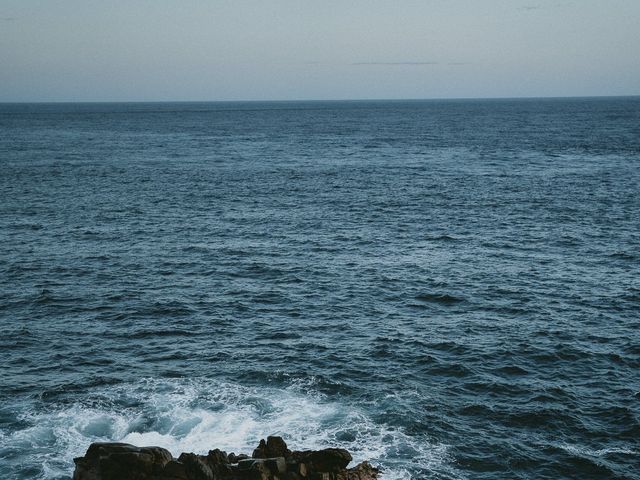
(271, 460)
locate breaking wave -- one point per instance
(197, 415)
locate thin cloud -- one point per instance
(554, 5)
(530, 8)
(393, 64)
(9, 19)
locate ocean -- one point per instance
(450, 289)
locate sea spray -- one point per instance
(191, 415)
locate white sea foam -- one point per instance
(583, 451)
(195, 416)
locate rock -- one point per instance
(217, 457)
(196, 466)
(260, 451)
(233, 458)
(276, 465)
(174, 470)
(254, 469)
(362, 471)
(271, 460)
(320, 476)
(219, 463)
(120, 461)
(329, 459)
(276, 447)
(246, 463)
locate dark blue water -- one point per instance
(448, 288)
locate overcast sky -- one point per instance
(136, 50)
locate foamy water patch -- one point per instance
(195, 416)
(582, 451)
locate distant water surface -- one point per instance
(448, 288)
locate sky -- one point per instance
(177, 50)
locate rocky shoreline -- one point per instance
(271, 460)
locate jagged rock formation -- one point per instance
(271, 460)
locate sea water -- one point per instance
(450, 289)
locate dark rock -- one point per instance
(257, 470)
(219, 463)
(362, 471)
(272, 460)
(320, 476)
(260, 451)
(174, 470)
(246, 463)
(233, 458)
(120, 461)
(276, 465)
(196, 466)
(302, 469)
(276, 447)
(217, 457)
(329, 459)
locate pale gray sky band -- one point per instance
(148, 50)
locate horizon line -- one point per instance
(300, 100)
